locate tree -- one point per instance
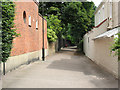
(54, 27)
(76, 19)
(51, 35)
(75, 16)
(90, 9)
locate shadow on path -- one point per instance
(81, 64)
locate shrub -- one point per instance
(51, 35)
(116, 46)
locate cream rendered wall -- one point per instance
(99, 50)
(88, 47)
(119, 13)
(103, 57)
(16, 61)
(115, 14)
(103, 13)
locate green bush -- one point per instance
(51, 35)
(116, 46)
(8, 33)
(54, 27)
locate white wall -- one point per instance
(99, 51)
(103, 57)
(16, 61)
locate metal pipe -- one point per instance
(43, 48)
(3, 68)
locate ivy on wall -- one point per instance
(8, 33)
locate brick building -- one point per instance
(28, 46)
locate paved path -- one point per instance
(65, 69)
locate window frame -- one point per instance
(30, 21)
(37, 24)
(110, 9)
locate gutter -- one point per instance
(36, 2)
(41, 16)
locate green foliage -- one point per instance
(51, 35)
(78, 19)
(54, 27)
(90, 9)
(75, 19)
(116, 46)
(52, 12)
(55, 8)
(8, 34)
(54, 23)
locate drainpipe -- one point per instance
(43, 48)
(3, 68)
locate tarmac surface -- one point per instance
(66, 69)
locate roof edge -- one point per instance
(36, 2)
(100, 5)
(41, 16)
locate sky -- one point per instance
(97, 2)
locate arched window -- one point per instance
(24, 16)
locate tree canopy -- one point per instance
(75, 19)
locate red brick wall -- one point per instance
(45, 34)
(30, 39)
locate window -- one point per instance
(29, 20)
(103, 12)
(99, 16)
(110, 8)
(24, 16)
(36, 24)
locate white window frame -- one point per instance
(36, 24)
(29, 20)
(103, 9)
(110, 9)
(99, 16)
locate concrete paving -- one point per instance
(65, 69)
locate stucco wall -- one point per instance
(51, 48)
(89, 46)
(105, 13)
(103, 56)
(99, 50)
(115, 14)
(119, 13)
